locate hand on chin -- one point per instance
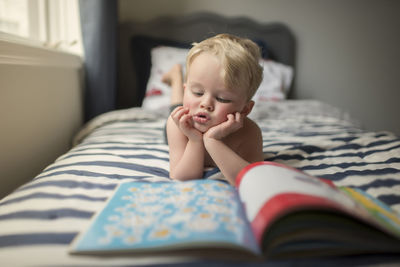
(233, 123)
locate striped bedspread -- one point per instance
(40, 219)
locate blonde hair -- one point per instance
(239, 57)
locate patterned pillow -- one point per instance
(141, 47)
(276, 83)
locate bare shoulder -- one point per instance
(251, 128)
(251, 144)
(248, 135)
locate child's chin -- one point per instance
(201, 128)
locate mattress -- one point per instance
(39, 220)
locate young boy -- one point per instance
(209, 126)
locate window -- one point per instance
(13, 17)
(50, 23)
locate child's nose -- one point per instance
(206, 103)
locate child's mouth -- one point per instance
(201, 117)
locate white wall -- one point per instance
(348, 51)
(40, 110)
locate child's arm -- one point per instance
(186, 148)
(229, 162)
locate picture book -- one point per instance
(274, 211)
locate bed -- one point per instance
(39, 220)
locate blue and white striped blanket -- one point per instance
(39, 220)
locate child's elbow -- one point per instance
(183, 176)
(176, 176)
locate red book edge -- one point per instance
(282, 204)
(241, 174)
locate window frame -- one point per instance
(53, 24)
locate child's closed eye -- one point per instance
(196, 93)
(223, 100)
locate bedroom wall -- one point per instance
(347, 54)
(40, 110)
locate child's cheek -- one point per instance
(187, 105)
(223, 116)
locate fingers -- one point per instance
(235, 119)
(181, 117)
(178, 112)
(239, 117)
(185, 120)
(231, 117)
(232, 124)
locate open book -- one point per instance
(274, 211)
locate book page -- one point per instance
(169, 215)
(264, 181)
(386, 217)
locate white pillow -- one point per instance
(276, 81)
(163, 58)
(275, 85)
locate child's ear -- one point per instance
(247, 108)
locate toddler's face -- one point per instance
(206, 96)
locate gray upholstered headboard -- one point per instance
(278, 39)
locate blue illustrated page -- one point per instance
(144, 215)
